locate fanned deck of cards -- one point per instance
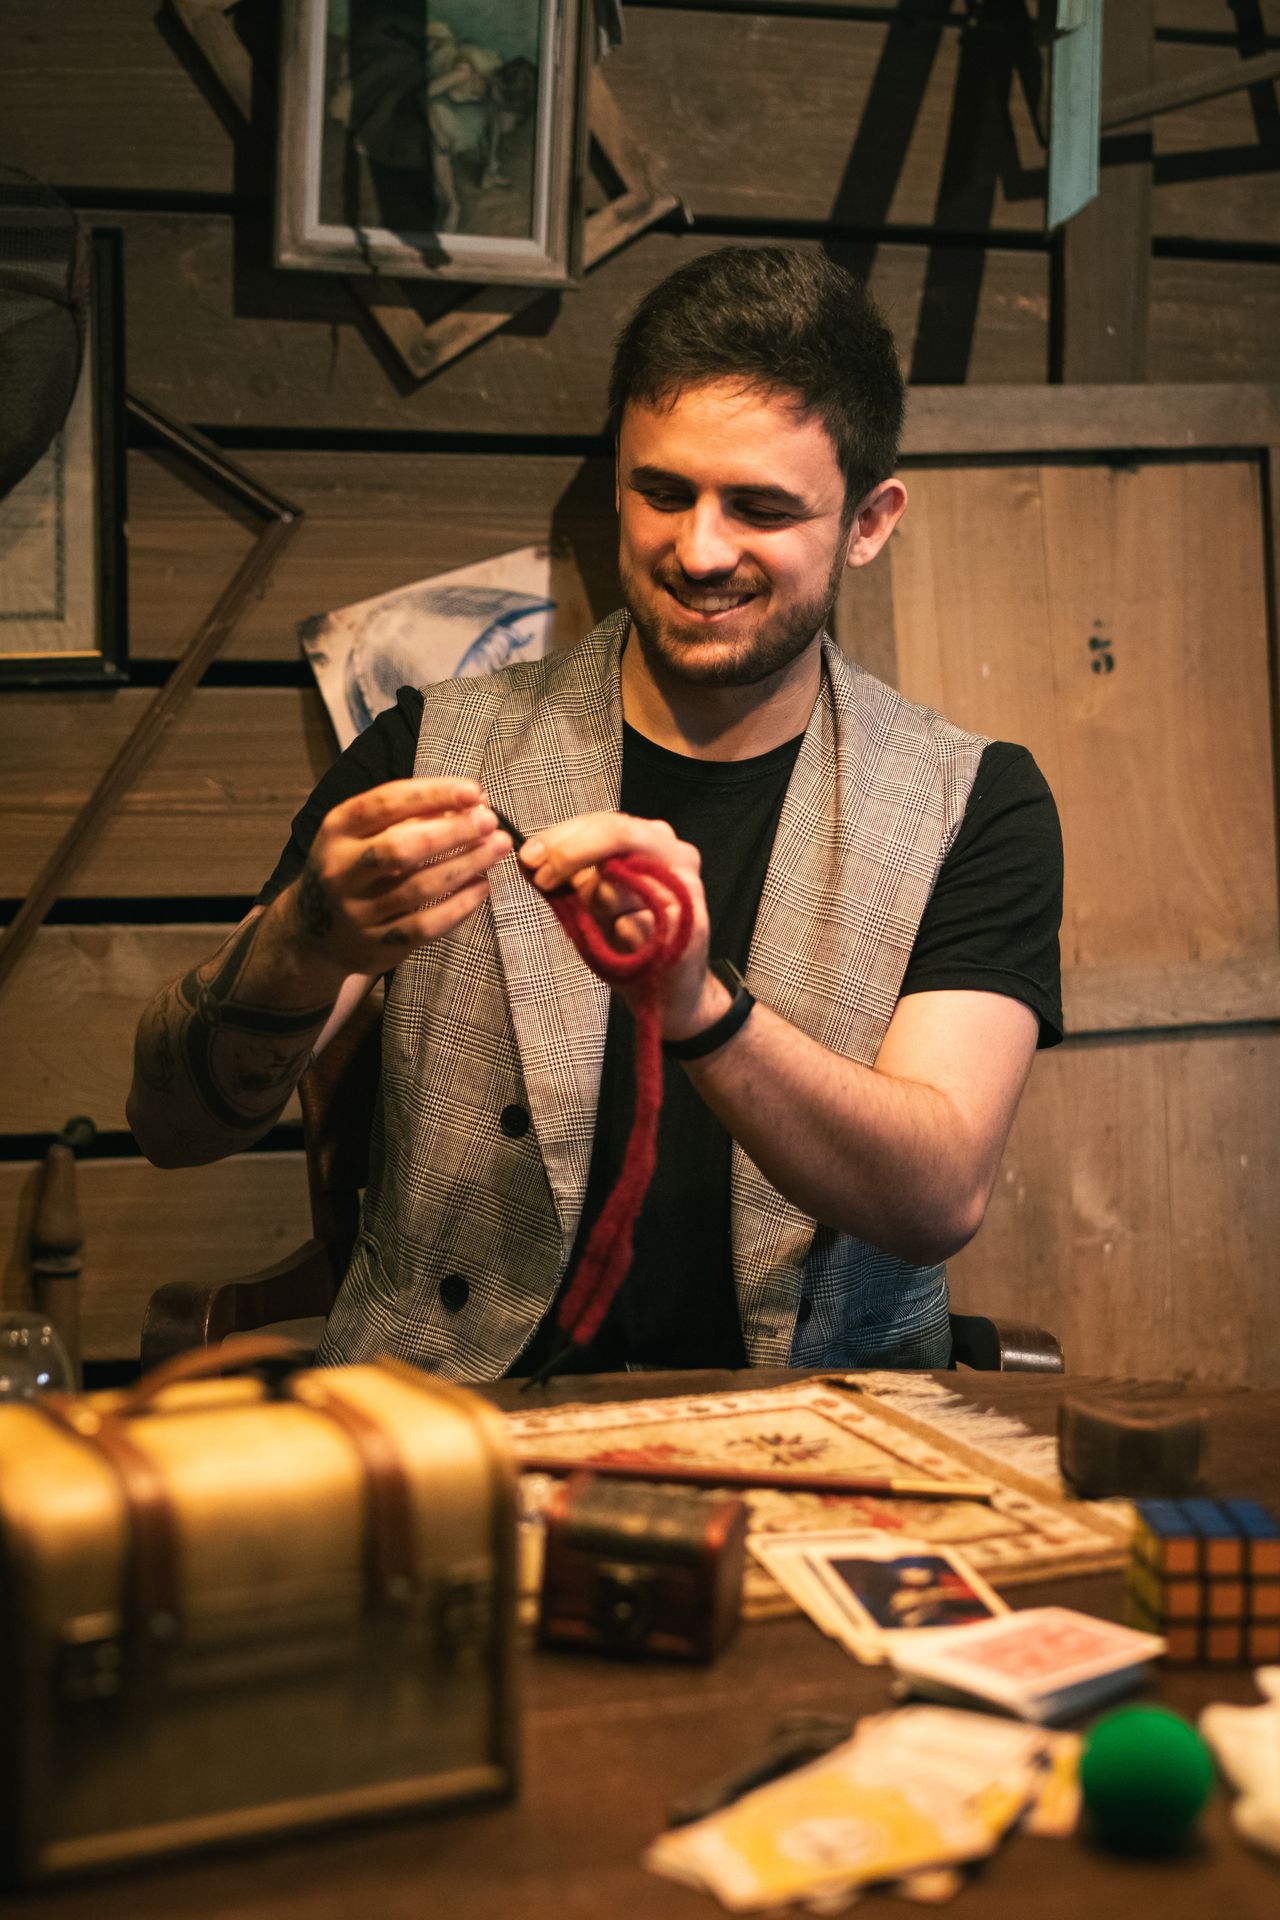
(912, 1797)
(874, 1592)
(1043, 1664)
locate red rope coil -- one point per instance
(606, 1258)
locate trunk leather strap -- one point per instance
(150, 1600)
(390, 1572)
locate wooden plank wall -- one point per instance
(1135, 1213)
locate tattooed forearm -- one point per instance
(220, 1051)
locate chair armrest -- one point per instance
(1003, 1346)
(187, 1314)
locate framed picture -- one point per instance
(62, 528)
(433, 139)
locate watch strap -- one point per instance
(698, 1044)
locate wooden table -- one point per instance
(607, 1746)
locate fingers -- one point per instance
(432, 920)
(403, 863)
(368, 813)
(436, 882)
(559, 853)
(391, 856)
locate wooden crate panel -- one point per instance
(1137, 1211)
(258, 348)
(839, 119)
(1214, 176)
(97, 99)
(251, 352)
(1088, 613)
(209, 815)
(143, 1227)
(745, 114)
(881, 106)
(67, 1019)
(373, 521)
(1137, 1214)
(1214, 320)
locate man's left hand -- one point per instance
(573, 852)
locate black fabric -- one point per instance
(677, 1307)
(991, 924)
(993, 917)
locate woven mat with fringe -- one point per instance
(888, 1423)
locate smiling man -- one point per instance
(876, 902)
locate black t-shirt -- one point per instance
(991, 924)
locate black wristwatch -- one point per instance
(726, 1026)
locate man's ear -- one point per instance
(617, 478)
(877, 516)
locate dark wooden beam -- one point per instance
(1031, 420)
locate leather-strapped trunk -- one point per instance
(238, 1605)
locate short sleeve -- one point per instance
(993, 918)
(384, 751)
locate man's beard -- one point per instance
(756, 652)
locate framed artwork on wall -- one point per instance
(62, 527)
(433, 139)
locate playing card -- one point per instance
(1038, 1663)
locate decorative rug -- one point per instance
(873, 1423)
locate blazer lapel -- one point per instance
(544, 761)
(798, 966)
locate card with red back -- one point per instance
(1039, 1653)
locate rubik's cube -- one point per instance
(1205, 1574)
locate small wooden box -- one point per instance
(642, 1570)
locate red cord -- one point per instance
(606, 1258)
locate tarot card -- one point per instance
(914, 1792)
(784, 1556)
(869, 1589)
(887, 1588)
(839, 1823)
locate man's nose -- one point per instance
(705, 543)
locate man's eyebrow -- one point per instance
(648, 476)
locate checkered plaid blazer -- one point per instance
(465, 1232)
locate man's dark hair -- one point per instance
(782, 320)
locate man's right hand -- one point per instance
(395, 867)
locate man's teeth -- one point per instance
(711, 602)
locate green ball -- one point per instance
(1145, 1775)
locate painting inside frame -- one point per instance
(62, 556)
(432, 138)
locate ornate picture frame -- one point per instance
(433, 139)
(62, 528)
